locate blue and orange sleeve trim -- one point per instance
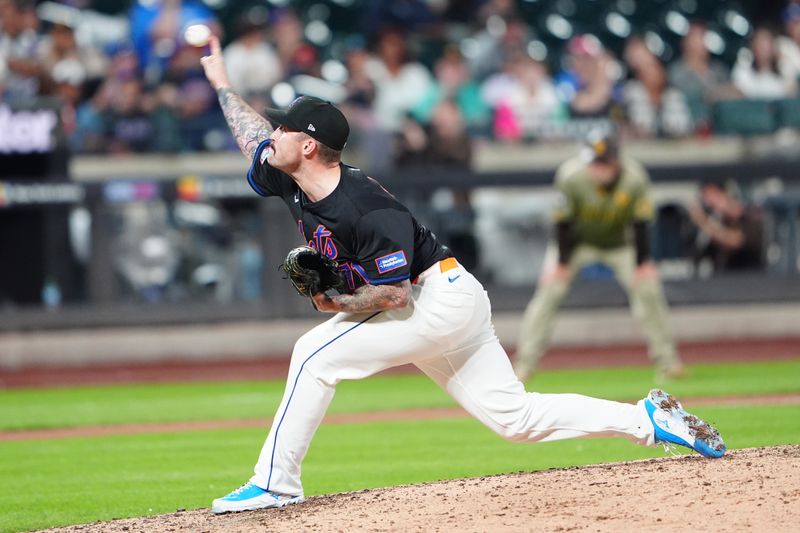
(255, 186)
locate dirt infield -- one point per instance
(755, 489)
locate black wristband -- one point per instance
(642, 240)
(566, 243)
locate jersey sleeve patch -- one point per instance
(643, 209)
(392, 261)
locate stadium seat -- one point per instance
(788, 113)
(744, 117)
(671, 233)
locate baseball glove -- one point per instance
(311, 272)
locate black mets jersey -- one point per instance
(373, 237)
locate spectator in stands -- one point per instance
(200, 121)
(287, 34)
(296, 55)
(306, 62)
(495, 91)
(444, 143)
(636, 54)
(18, 50)
(162, 105)
(366, 137)
(523, 98)
(729, 233)
(128, 127)
(60, 46)
(91, 135)
(400, 82)
(67, 78)
(359, 87)
(788, 45)
(449, 143)
(757, 73)
(453, 82)
(412, 15)
(503, 39)
(652, 107)
(588, 85)
(701, 79)
(250, 49)
(157, 31)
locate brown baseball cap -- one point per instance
(318, 118)
(602, 146)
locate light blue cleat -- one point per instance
(673, 425)
(249, 497)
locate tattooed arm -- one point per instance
(366, 299)
(248, 127)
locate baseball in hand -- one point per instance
(197, 34)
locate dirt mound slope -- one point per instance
(755, 489)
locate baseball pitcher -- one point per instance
(404, 299)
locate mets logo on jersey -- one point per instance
(323, 242)
(392, 261)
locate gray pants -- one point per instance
(646, 299)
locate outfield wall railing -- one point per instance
(182, 239)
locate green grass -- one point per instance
(68, 407)
(71, 481)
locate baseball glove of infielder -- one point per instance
(312, 272)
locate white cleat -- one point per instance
(249, 497)
(674, 425)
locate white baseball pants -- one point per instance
(446, 331)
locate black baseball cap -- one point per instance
(318, 118)
(602, 146)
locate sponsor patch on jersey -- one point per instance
(392, 261)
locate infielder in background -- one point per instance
(603, 216)
(409, 302)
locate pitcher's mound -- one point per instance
(748, 490)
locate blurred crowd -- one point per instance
(422, 83)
